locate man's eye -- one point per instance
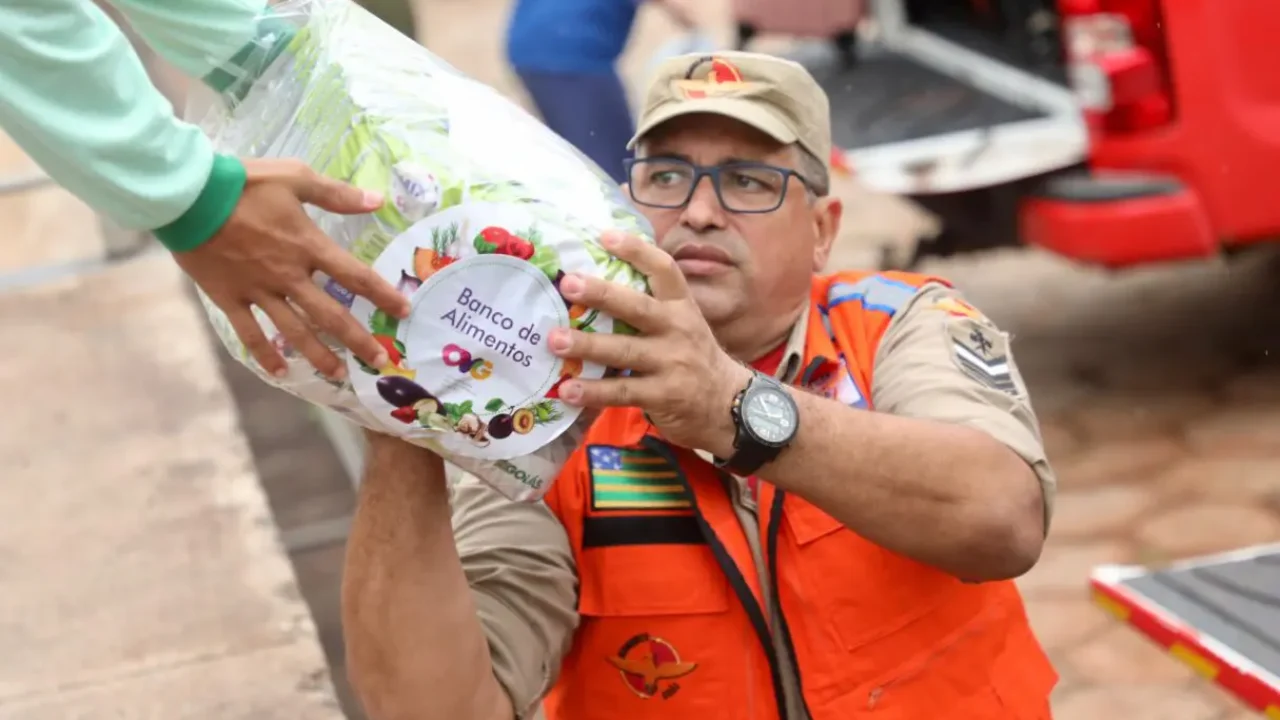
(743, 181)
(664, 177)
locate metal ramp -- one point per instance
(1220, 615)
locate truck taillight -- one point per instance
(1117, 62)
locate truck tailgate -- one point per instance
(919, 114)
(891, 98)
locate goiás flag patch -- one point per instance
(634, 479)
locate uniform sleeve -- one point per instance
(941, 359)
(76, 98)
(518, 562)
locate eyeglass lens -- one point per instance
(742, 187)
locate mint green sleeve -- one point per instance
(76, 98)
(204, 39)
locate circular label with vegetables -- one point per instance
(470, 367)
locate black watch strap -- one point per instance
(749, 458)
(749, 455)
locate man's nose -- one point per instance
(704, 209)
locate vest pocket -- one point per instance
(656, 638)
(987, 669)
(634, 580)
(862, 591)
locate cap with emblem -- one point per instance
(777, 97)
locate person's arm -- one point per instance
(219, 42)
(76, 98)
(952, 446)
(461, 614)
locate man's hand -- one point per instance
(266, 254)
(680, 376)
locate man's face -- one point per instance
(756, 267)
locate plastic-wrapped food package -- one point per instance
(486, 211)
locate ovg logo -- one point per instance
(650, 666)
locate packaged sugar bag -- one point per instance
(486, 211)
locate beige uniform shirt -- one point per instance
(934, 362)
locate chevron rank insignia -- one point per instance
(634, 479)
(982, 353)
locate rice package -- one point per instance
(486, 211)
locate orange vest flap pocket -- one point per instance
(807, 522)
(638, 580)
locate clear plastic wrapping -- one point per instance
(486, 210)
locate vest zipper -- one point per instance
(739, 584)
(771, 558)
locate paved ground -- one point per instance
(142, 576)
(1159, 393)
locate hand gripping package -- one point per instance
(486, 211)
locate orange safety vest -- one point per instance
(672, 622)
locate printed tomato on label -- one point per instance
(394, 356)
(493, 239)
(517, 247)
(405, 415)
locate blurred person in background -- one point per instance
(76, 98)
(565, 53)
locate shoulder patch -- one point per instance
(634, 479)
(874, 292)
(982, 353)
(958, 308)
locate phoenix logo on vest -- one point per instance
(650, 666)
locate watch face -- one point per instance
(769, 415)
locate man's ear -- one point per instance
(827, 213)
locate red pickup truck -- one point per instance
(1182, 102)
(1114, 132)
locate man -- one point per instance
(75, 97)
(835, 543)
(565, 52)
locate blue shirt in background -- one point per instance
(569, 36)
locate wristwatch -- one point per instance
(766, 419)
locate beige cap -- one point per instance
(777, 97)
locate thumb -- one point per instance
(338, 197)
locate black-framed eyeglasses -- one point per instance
(742, 187)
